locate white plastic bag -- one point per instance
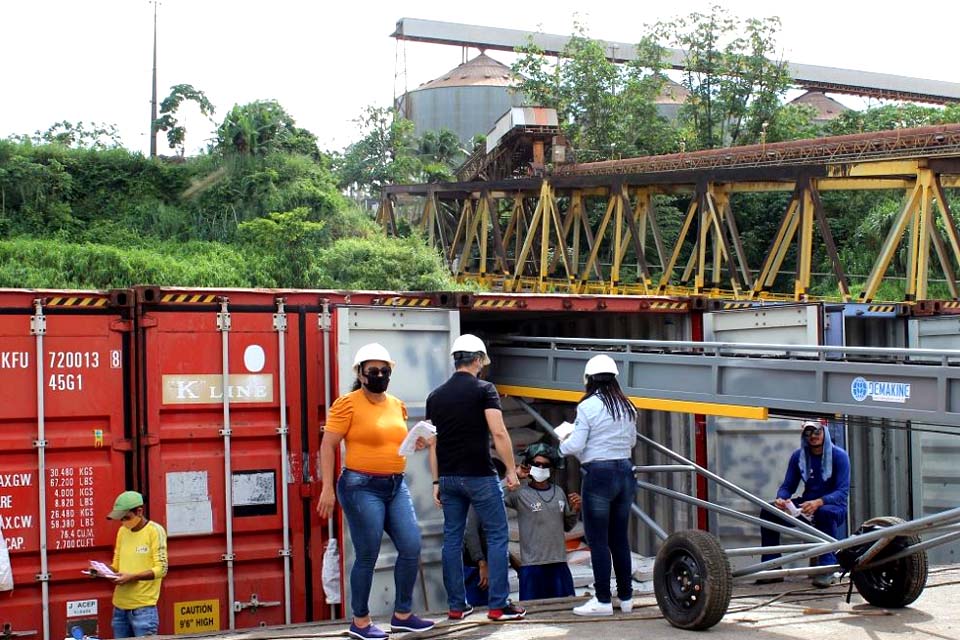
(331, 572)
(6, 571)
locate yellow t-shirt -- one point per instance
(372, 432)
(135, 552)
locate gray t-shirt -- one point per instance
(544, 516)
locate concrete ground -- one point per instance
(791, 610)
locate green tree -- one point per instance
(79, 135)
(891, 116)
(263, 127)
(606, 110)
(735, 83)
(387, 153)
(176, 133)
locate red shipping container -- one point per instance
(230, 566)
(65, 374)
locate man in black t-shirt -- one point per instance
(466, 413)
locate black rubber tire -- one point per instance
(898, 583)
(692, 580)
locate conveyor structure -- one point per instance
(743, 380)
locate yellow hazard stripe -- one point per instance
(652, 404)
(737, 305)
(494, 304)
(77, 301)
(195, 298)
(951, 305)
(668, 305)
(407, 302)
(882, 308)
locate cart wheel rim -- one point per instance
(884, 578)
(684, 580)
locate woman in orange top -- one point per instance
(371, 489)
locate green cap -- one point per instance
(125, 502)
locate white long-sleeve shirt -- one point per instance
(597, 436)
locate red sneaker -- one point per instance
(509, 612)
(459, 615)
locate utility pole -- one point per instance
(153, 99)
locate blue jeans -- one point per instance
(609, 489)
(828, 518)
(373, 505)
(457, 493)
(135, 623)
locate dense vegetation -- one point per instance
(263, 208)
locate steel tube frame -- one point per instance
(733, 513)
(801, 526)
(906, 528)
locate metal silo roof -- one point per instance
(482, 71)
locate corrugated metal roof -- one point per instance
(827, 108)
(482, 71)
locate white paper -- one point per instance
(564, 430)
(794, 511)
(420, 430)
(102, 569)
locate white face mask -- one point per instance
(539, 475)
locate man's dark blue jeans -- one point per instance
(457, 493)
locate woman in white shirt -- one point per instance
(602, 440)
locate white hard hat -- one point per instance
(600, 364)
(470, 343)
(372, 351)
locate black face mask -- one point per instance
(377, 384)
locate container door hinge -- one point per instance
(43, 577)
(253, 604)
(40, 444)
(285, 553)
(121, 326)
(226, 432)
(125, 444)
(227, 557)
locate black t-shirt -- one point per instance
(456, 408)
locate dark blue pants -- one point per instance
(476, 596)
(608, 492)
(539, 581)
(828, 518)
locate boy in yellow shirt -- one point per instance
(140, 562)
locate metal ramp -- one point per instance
(743, 380)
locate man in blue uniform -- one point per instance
(824, 469)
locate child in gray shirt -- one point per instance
(544, 513)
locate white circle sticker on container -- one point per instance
(254, 358)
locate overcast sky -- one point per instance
(325, 60)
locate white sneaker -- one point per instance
(626, 606)
(825, 580)
(594, 608)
